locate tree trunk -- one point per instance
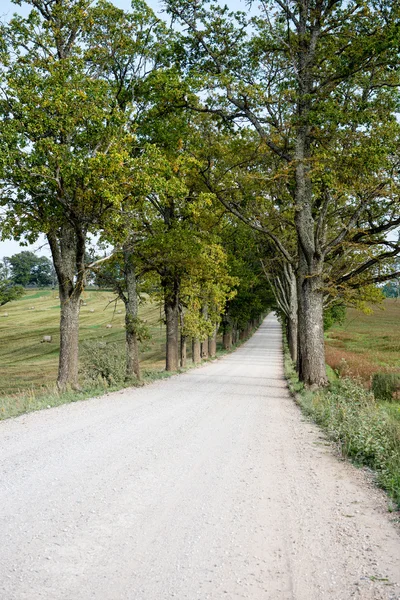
(69, 341)
(311, 347)
(131, 318)
(204, 343)
(292, 337)
(196, 351)
(183, 351)
(171, 307)
(68, 251)
(183, 339)
(204, 349)
(227, 340)
(212, 344)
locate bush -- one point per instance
(334, 314)
(103, 362)
(386, 386)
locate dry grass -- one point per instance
(366, 344)
(26, 362)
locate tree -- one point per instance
(123, 276)
(176, 244)
(8, 290)
(67, 149)
(29, 269)
(21, 265)
(126, 49)
(317, 81)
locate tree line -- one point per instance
(223, 157)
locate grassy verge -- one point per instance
(30, 400)
(366, 431)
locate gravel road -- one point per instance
(209, 485)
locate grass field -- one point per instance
(366, 344)
(26, 362)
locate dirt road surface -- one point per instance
(209, 485)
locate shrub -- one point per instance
(385, 386)
(103, 362)
(334, 314)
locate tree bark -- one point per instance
(183, 351)
(69, 341)
(171, 307)
(131, 318)
(196, 351)
(204, 343)
(227, 340)
(67, 246)
(183, 356)
(292, 337)
(212, 344)
(311, 346)
(311, 350)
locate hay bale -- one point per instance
(47, 339)
(109, 326)
(119, 312)
(5, 314)
(91, 310)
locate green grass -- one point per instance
(366, 431)
(26, 363)
(366, 344)
(28, 368)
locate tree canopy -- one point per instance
(235, 161)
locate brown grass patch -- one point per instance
(366, 344)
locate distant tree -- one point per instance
(21, 265)
(392, 289)
(8, 291)
(42, 272)
(29, 269)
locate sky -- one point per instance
(7, 8)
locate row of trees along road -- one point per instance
(220, 159)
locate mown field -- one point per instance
(366, 344)
(26, 362)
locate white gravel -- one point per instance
(209, 485)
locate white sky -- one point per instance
(7, 8)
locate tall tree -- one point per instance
(126, 49)
(317, 81)
(66, 146)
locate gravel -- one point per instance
(208, 485)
